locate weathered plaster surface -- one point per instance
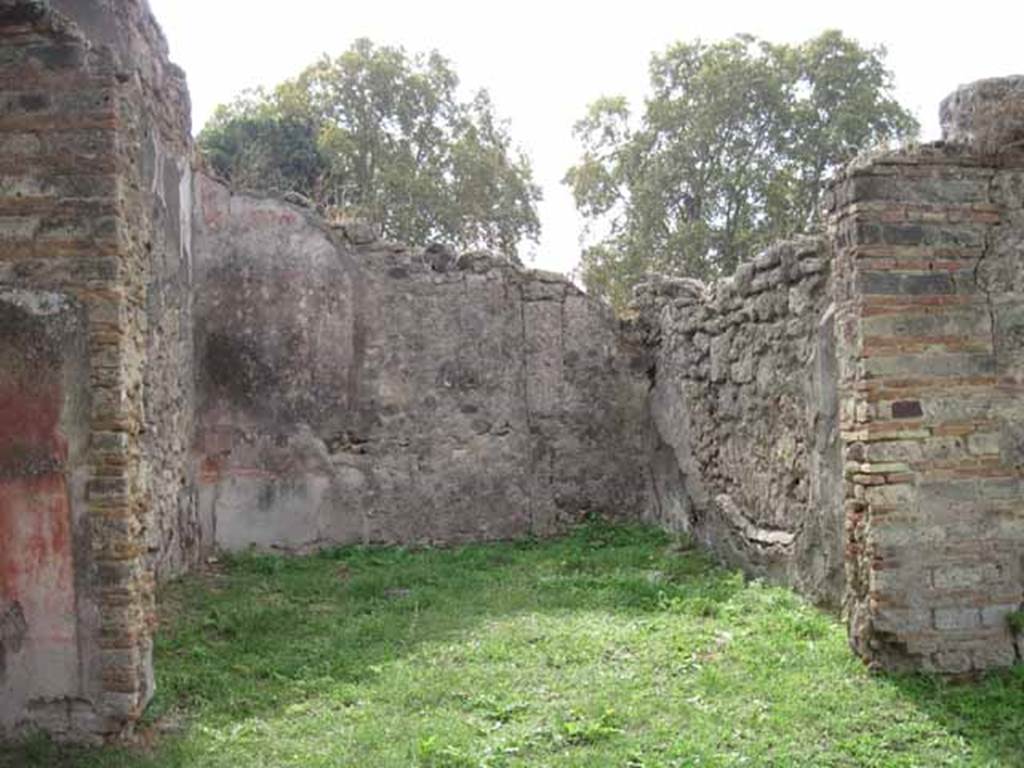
(43, 436)
(366, 392)
(90, 105)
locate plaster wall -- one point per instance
(352, 390)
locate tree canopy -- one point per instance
(384, 137)
(732, 151)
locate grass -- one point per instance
(607, 648)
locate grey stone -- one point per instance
(745, 444)
(987, 115)
(957, 618)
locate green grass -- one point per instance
(607, 648)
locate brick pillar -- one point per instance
(77, 233)
(929, 251)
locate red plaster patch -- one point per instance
(36, 560)
(36, 554)
(28, 424)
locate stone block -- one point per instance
(952, 662)
(939, 494)
(891, 496)
(940, 189)
(904, 621)
(998, 654)
(961, 577)
(1000, 488)
(929, 365)
(986, 115)
(984, 444)
(997, 615)
(957, 618)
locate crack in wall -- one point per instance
(981, 279)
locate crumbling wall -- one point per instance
(85, 94)
(155, 176)
(58, 264)
(183, 367)
(746, 451)
(358, 391)
(154, 172)
(930, 252)
(351, 391)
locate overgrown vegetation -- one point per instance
(608, 648)
(1016, 622)
(382, 136)
(731, 152)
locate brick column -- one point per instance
(74, 232)
(928, 246)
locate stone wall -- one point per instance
(844, 416)
(746, 446)
(155, 177)
(358, 391)
(930, 257)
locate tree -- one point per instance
(733, 149)
(383, 137)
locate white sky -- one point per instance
(543, 62)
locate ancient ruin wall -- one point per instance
(58, 257)
(356, 391)
(857, 401)
(930, 252)
(746, 451)
(350, 390)
(76, 254)
(184, 367)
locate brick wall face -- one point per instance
(929, 315)
(154, 171)
(153, 163)
(90, 121)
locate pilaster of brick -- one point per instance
(62, 193)
(933, 515)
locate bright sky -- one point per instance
(543, 62)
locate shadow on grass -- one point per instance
(269, 630)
